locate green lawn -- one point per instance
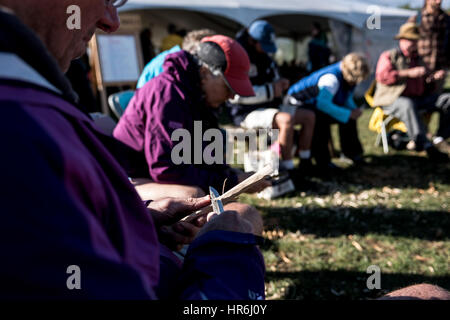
(394, 213)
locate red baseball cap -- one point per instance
(227, 55)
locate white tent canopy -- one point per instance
(245, 11)
(345, 19)
(292, 18)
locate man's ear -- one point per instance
(205, 73)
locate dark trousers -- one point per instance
(409, 111)
(348, 136)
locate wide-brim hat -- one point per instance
(408, 31)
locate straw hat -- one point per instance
(408, 31)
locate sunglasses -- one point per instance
(115, 3)
(227, 84)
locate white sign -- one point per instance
(119, 59)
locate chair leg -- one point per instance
(384, 138)
(378, 140)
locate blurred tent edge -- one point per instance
(346, 20)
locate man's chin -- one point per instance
(79, 53)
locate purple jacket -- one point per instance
(168, 102)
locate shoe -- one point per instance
(436, 156)
(443, 146)
(328, 171)
(282, 185)
(359, 160)
(300, 181)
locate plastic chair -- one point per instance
(380, 122)
(118, 102)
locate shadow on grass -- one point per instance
(336, 221)
(346, 285)
(396, 171)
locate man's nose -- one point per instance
(110, 21)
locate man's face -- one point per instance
(65, 44)
(215, 89)
(408, 47)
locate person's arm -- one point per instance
(385, 72)
(45, 227)
(158, 148)
(350, 102)
(328, 86)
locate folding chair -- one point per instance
(380, 122)
(119, 101)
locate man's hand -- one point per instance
(227, 221)
(167, 213)
(416, 72)
(439, 75)
(356, 113)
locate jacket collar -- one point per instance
(24, 50)
(12, 67)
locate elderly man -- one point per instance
(401, 77)
(73, 227)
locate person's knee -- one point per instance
(283, 120)
(306, 117)
(191, 192)
(422, 291)
(407, 105)
(249, 213)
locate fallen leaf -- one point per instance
(284, 258)
(377, 248)
(357, 246)
(420, 258)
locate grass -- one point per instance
(394, 213)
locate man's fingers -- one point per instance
(186, 229)
(176, 238)
(183, 207)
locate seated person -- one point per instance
(329, 92)
(190, 44)
(265, 109)
(83, 232)
(401, 76)
(189, 90)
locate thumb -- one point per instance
(183, 207)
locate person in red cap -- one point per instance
(189, 90)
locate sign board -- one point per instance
(119, 58)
